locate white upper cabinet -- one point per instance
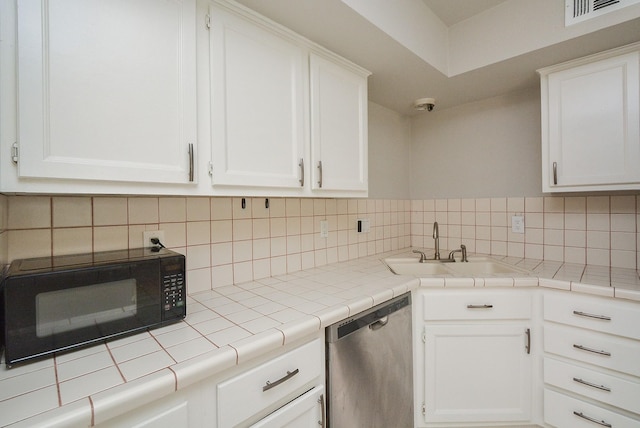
(338, 126)
(106, 90)
(590, 123)
(258, 104)
(287, 116)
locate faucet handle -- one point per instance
(423, 256)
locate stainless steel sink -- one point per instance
(476, 266)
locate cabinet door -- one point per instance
(476, 373)
(593, 126)
(306, 411)
(258, 104)
(107, 90)
(338, 126)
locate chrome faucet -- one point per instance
(463, 250)
(436, 238)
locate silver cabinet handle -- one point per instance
(191, 162)
(583, 416)
(301, 165)
(479, 306)
(595, 351)
(321, 422)
(584, 314)
(320, 174)
(285, 378)
(528, 345)
(592, 385)
(555, 173)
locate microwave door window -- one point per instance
(85, 307)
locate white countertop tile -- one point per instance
(232, 324)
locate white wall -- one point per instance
(389, 153)
(489, 148)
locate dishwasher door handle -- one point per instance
(376, 325)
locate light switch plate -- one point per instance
(517, 224)
(324, 228)
(363, 225)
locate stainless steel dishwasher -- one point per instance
(370, 368)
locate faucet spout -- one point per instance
(436, 238)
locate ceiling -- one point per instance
(399, 76)
(453, 11)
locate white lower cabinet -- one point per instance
(306, 411)
(564, 411)
(474, 364)
(274, 386)
(278, 390)
(591, 361)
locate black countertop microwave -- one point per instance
(55, 304)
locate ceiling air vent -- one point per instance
(582, 10)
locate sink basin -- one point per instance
(411, 266)
(476, 266)
(483, 265)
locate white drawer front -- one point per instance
(596, 313)
(612, 352)
(243, 396)
(593, 384)
(476, 305)
(562, 411)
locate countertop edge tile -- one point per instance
(622, 293)
(123, 398)
(298, 329)
(258, 344)
(555, 283)
(499, 282)
(71, 415)
(205, 365)
(597, 290)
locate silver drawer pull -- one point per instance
(322, 421)
(599, 317)
(285, 378)
(595, 421)
(479, 306)
(595, 351)
(592, 385)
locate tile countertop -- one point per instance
(230, 325)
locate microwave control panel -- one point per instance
(174, 293)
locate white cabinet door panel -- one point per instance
(106, 89)
(476, 373)
(258, 104)
(591, 123)
(338, 127)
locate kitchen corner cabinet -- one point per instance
(106, 90)
(473, 357)
(287, 116)
(591, 122)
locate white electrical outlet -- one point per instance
(147, 235)
(517, 224)
(324, 228)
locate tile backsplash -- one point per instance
(594, 230)
(226, 244)
(223, 242)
